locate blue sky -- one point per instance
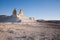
(40, 9)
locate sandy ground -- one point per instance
(29, 32)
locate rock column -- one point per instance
(14, 13)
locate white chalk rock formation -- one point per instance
(23, 18)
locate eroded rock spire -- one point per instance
(21, 12)
(14, 13)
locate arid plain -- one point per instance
(35, 31)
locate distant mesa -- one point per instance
(16, 18)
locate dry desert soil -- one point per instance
(37, 31)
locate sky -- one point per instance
(39, 9)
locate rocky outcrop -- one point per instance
(21, 12)
(14, 17)
(23, 18)
(14, 13)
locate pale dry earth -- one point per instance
(34, 31)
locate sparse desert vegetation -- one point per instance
(28, 32)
